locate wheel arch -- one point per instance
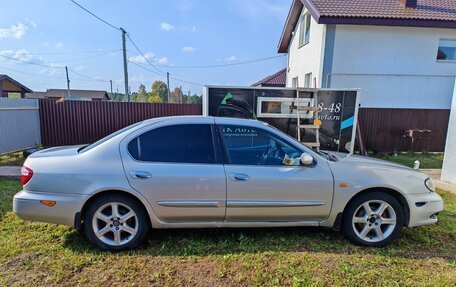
(78, 221)
(392, 192)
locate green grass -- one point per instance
(12, 159)
(427, 161)
(45, 254)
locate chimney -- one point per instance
(409, 3)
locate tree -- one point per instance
(160, 89)
(142, 94)
(153, 99)
(176, 95)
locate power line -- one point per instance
(31, 63)
(145, 58)
(99, 18)
(87, 57)
(53, 67)
(164, 75)
(72, 53)
(224, 65)
(87, 77)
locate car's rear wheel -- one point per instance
(115, 222)
(373, 219)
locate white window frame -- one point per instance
(438, 47)
(308, 80)
(294, 82)
(303, 28)
(302, 102)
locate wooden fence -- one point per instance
(383, 129)
(82, 122)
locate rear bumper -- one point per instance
(27, 206)
(424, 208)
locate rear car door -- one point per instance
(174, 165)
(265, 181)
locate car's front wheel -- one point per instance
(115, 222)
(373, 219)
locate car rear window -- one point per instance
(190, 143)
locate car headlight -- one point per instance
(429, 183)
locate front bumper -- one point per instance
(424, 208)
(27, 206)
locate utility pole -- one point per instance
(68, 82)
(182, 94)
(124, 48)
(110, 81)
(189, 95)
(167, 83)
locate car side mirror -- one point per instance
(306, 159)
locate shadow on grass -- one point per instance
(413, 243)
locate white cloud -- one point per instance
(186, 4)
(189, 49)
(21, 55)
(16, 31)
(31, 23)
(162, 61)
(231, 58)
(58, 45)
(166, 26)
(140, 59)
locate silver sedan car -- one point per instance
(194, 172)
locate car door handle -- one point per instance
(239, 177)
(140, 174)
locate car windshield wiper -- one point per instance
(328, 156)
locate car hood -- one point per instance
(357, 159)
(57, 151)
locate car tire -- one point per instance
(373, 219)
(115, 222)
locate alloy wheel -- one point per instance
(115, 223)
(374, 220)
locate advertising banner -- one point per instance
(337, 111)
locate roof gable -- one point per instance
(428, 13)
(275, 80)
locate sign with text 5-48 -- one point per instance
(337, 110)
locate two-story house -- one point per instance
(400, 53)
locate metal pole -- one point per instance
(110, 81)
(124, 48)
(68, 82)
(167, 83)
(181, 94)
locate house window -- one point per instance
(294, 82)
(447, 50)
(308, 80)
(304, 32)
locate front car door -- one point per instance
(174, 165)
(265, 181)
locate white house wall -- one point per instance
(308, 58)
(395, 67)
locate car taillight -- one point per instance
(26, 175)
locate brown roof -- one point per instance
(19, 86)
(428, 13)
(275, 80)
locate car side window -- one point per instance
(190, 143)
(252, 146)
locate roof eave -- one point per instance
(292, 20)
(423, 23)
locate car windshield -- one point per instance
(106, 138)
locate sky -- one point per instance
(182, 37)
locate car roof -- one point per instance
(184, 119)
